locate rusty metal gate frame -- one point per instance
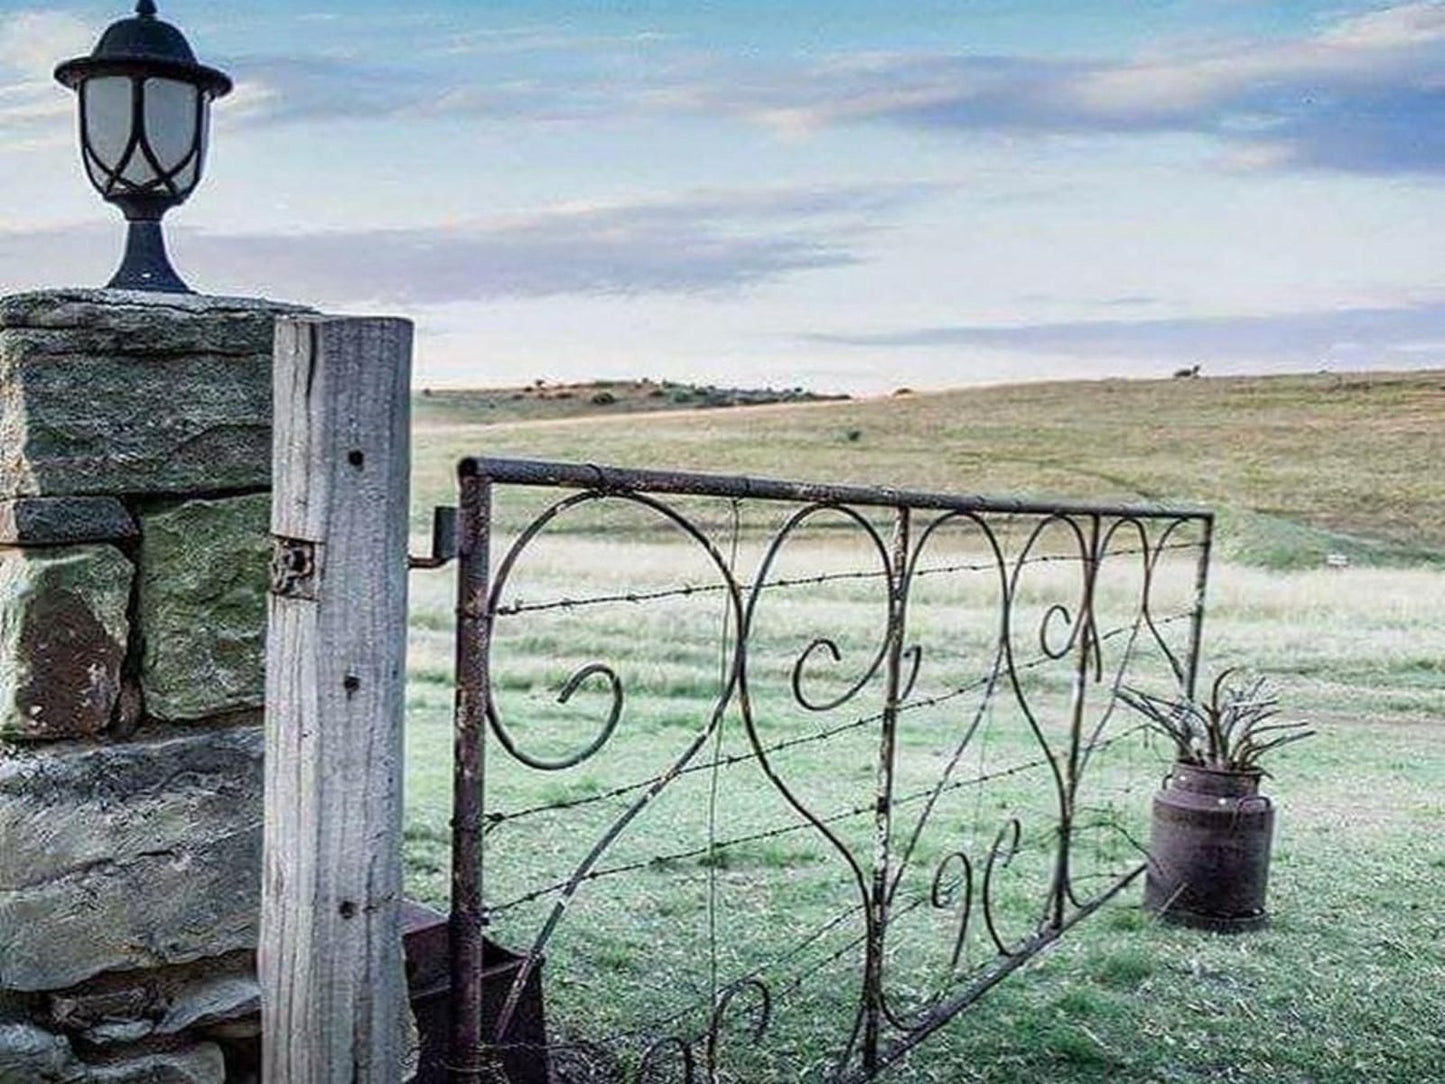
(474, 1056)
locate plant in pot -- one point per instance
(1211, 829)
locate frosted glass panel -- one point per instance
(200, 163)
(138, 170)
(107, 117)
(186, 179)
(170, 120)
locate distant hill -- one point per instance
(1301, 466)
(541, 400)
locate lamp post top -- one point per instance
(144, 113)
(144, 40)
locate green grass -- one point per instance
(1347, 984)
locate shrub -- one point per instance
(1228, 732)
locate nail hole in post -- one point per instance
(347, 909)
(356, 458)
(351, 684)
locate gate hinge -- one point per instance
(443, 540)
(294, 571)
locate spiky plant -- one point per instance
(1230, 731)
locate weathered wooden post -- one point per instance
(333, 990)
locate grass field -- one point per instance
(1300, 466)
(1348, 983)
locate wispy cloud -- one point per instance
(1365, 93)
(281, 90)
(705, 244)
(544, 38)
(1365, 336)
(31, 43)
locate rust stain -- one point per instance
(74, 669)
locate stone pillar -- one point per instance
(135, 455)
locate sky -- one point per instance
(851, 195)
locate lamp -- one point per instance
(145, 110)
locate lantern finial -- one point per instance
(146, 9)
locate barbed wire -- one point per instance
(496, 818)
(520, 606)
(713, 847)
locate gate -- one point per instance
(804, 789)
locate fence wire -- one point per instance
(1005, 814)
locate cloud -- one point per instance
(710, 243)
(1365, 93)
(1389, 28)
(543, 38)
(1339, 336)
(31, 44)
(285, 89)
(539, 72)
(282, 90)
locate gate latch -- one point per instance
(443, 540)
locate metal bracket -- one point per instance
(443, 540)
(293, 567)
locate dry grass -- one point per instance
(1302, 465)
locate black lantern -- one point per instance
(145, 109)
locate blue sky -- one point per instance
(852, 195)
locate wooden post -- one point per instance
(332, 981)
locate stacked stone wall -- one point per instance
(134, 477)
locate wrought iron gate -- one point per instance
(945, 890)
